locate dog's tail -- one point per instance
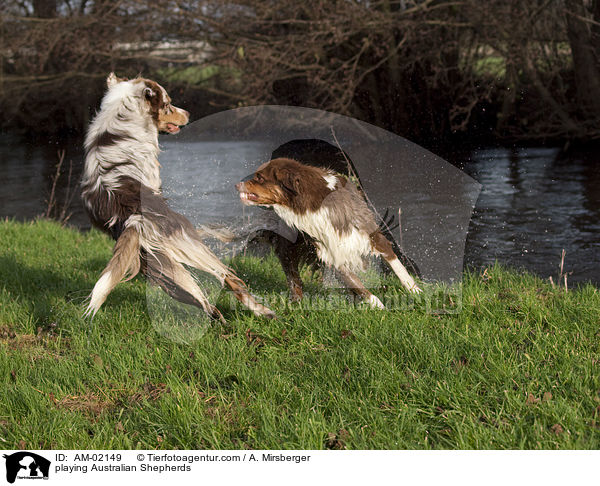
(215, 231)
(179, 242)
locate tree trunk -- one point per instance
(585, 56)
(596, 29)
(45, 9)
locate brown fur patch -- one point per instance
(108, 138)
(291, 184)
(125, 263)
(156, 99)
(163, 113)
(129, 197)
(382, 245)
(348, 208)
(304, 188)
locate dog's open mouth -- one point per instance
(172, 128)
(248, 197)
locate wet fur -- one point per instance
(121, 191)
(291, 254)
(332, 211)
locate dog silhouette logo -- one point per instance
(26, 465)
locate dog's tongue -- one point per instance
(172, 128)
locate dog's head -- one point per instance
(288, 183)
(155, 101)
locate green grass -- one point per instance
(519, 367)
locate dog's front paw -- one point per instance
(263, 311)
(269, 314)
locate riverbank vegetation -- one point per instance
(430, 70)
(517, 368)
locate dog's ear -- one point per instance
(113, 79)
(149, 93)
(289, 180)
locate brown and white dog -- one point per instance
(292, 252)
(121, 190)
(332, 211)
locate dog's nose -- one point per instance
(239, 186)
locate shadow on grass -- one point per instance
(263, 278)
(40, 287)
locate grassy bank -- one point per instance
(519, 367)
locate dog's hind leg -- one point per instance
(178, 283)
(358, 288)
(190, 250)
(240, 291)
(382, 245)
(124, 265)
(289, 256)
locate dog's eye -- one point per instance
(260, 179)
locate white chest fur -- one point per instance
(340, 250)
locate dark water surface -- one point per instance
(534, 203)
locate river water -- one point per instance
(534, 202)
